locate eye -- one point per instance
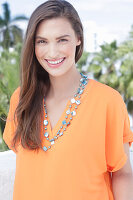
(41, 42)
(63, 40)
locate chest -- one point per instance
(55, 110)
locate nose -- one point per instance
(52, 51)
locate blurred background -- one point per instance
(108, 49)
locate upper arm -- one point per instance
(126, 169)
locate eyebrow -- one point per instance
(62, 36)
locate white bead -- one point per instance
(73, 113)
(52, 142)
(78, 102)
(68, 112)
(45, 122)
(72, 100)
(46, 134)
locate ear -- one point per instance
(78, 42)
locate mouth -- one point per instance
(55, 63)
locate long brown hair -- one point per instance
(34, 79)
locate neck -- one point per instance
(64, 86)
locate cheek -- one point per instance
(38, 52)
(68, 49)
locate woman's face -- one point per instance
(55, 46)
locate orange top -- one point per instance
(77, 166)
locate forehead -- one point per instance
(55, 26)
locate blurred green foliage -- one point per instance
(9, 81)
(10, 33)
(113, 65)
(11, 37)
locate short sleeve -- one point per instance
(10, 126)
(128, 135)
(117, 132)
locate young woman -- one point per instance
(71, 134)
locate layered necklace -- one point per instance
(70, 113)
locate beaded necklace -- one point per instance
(70, 113)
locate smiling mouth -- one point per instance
(55, 62)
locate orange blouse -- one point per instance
(77, 166)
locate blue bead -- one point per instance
(58, 132)
(83, 75)
(78, 91)
(81, 91)
(66, 117)
(84, 82)
(73, 113)
(46, 134)
(64, 122)
(78, 102)
(51, 140)
(45, 148)
(61, 134)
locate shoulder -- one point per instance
(15, 97)
(106, 92)
(109, 98)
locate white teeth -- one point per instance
(55, 62)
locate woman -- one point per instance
(68, 130)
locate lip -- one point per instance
(54, 59)
(55, 65)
